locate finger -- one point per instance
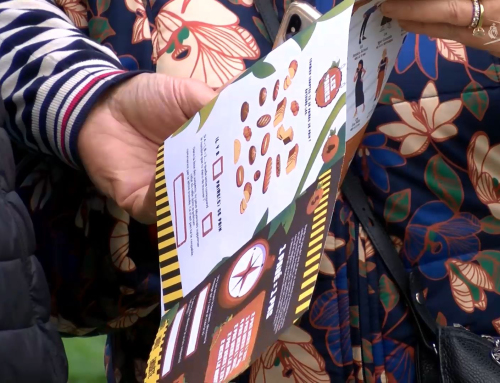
(143, 204)
(192, 95)
(455, 12)
(448, 32)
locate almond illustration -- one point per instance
(276, 90)
(247, 191)
(245, 108)
(240, 176)
(243, 206)
(262, 96)
(292, 159)
(292, 69)
(278, 165)
(287, 82)
(237, 150)
(252, 153)
(256, 176)
(280, 112)
(267, 175)
(263, 121)
(265, 144)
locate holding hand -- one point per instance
(471, 22)
(119, 141)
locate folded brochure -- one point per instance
(246, 190)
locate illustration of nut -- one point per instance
(247, 191)
(265, 144)
(256, 176)
(237, 150)
(243, 206)
(264, 120)
(244, 111)
(294, 107)
(262, 96)
(252, 153)
(247, 133)
(240, 176)
(292, 69)
(285, 135)
(287, 82)
(278, 165)
(292, 159)
(280, 112)
(276, 90)
(267, 175)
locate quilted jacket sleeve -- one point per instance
(50, 76)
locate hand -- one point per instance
(119, 140)
(447, 19)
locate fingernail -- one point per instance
(385, 8)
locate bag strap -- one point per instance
(269, 17)
(407, 283)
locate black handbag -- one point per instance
(449, 354)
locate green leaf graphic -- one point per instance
(319, 143)
(261, 27)
(346, 4)
(490, 262)
(205, 112)
(303, 37)
(389, 295)
(284, 218)
(475, 99)
(391, 91)
(102, 6)
(444, 182)
(493, 72)
(490, 225)
(397, 206)
(99, 29)
(262, 223)
(262, 69)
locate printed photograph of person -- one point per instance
(366, 17)
(359, 93)
(382, 66)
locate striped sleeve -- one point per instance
(50, 76)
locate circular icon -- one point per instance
(245, 273)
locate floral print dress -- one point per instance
(430, 163)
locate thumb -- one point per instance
(192, 95)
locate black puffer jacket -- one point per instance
(31, 350)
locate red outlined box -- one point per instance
(180, 210)
(207, 224)
(218, 168)
(199, 312)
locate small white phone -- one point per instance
(298, 17)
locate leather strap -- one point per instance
(407, 283)
(269, 17)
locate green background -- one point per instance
(85, 359)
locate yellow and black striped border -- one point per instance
(169, 263)
(315, 247)
(154, 362)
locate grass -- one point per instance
(85, 359)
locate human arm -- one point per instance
(51, 75)
(446, 19)
(68, 96)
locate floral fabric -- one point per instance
(430, 163)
